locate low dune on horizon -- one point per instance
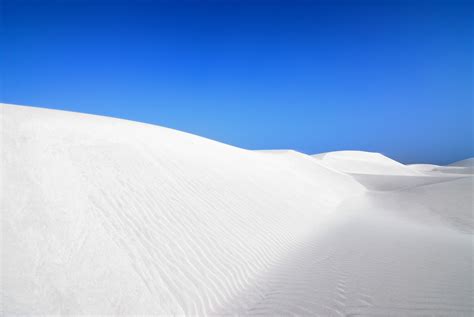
(104, 216)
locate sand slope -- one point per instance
(108, 216)
(464, 163)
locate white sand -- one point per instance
(113, 217)
(364, 163)
(430, 169)
(464, 163)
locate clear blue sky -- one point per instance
(387, 76)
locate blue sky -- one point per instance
(387, 76)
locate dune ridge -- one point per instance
(109, 216)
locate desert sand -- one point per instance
(103, 216)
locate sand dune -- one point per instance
(450, 169)
(364, 163)
(464, 163)
(113, 217)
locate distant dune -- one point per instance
(102, 216)
(364, 163)
(464, 163)
(465, 167)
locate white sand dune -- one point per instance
(450, 169)
(424, 167)
(102, 216)
(363, 163)
(464, 163)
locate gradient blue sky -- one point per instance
(387, 76)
